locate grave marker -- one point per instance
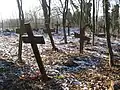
(37, 39)
(31, 39)
(85, 38)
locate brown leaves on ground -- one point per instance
(102, 78)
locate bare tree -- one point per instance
(97, 10)
(32, 15)
(47, 12)
(93, 20)
(69, 20)
(74, 17)
(22, 28)
(56, 14)
(81, 30)
(84, 17)
(103, 16)
(107, 27)
(2, 24)
(65, 10)
(119, 20)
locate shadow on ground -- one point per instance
(10, 74)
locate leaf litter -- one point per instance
(68, 69)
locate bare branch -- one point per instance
(61, 3)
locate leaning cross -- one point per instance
(34, 40)
(85, 38)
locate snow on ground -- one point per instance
(57, 64)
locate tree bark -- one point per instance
(119, 21)
(104, 17)
(46, 11)
(97, 10)
(57, 27)
(2, 25)
(65, 9)
(107, 26)
(36, 22)
(21, 19)
(93, 20)
(81, 30)
(64, 26)
(68, 29)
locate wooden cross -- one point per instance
(51, 30)
(85, 38)
(37, 39)
(33, 40)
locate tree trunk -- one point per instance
(36, 23)
(50, 36)
(20, 48)
(2, 25)
(65, 9)
(17, 21)
(107, 26)
(22, 28)
(93, 20)
(57, 27)
(97, 10)
(81, 30)
(104, 17)
(119, 21)
(68, 29)
(64, 26)
(46, 11)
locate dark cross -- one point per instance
(51, 30)
(37, 39)
(34, 41)
(85, 38)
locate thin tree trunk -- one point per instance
(104, 17)
(64, 31)
(20, 48)
(81, 30)
(57, 27)
(46, 11)
(68, 29)
(2, 25)
(21, 19)
(97, 10)
(50, 35)
(36, 23)
(119, 21)
(17, 21)
(97, 4)
(65, 9)
(57, 24)
(107, 23)
(93, 20)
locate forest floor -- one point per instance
(67, 69)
